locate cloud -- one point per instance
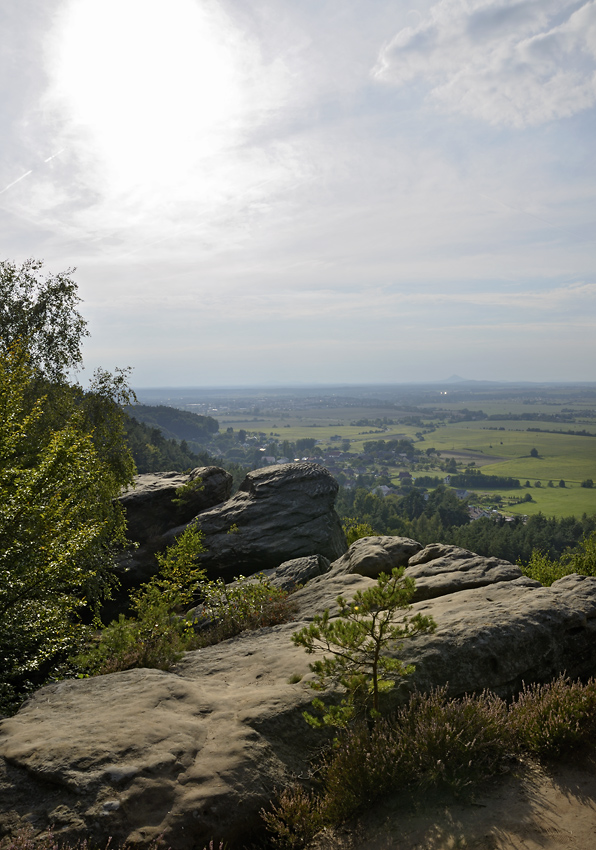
(504, 62)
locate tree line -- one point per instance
(441, 517)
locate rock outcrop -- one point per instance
(193, 754)
(371, 556)
(291, 575)
(151, 513)
(279, 513)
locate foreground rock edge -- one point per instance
(193, 754)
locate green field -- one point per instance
(498, 446)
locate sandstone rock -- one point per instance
(502, 635)
(439, 550)
(292, 574)
(194, 753)
(370, 556)
(439, 570)
(151, 513)
(279, 513)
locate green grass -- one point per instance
(559, 455)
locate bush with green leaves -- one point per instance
(581, 559)
(160, 631)
(359, 640)
(354, 529)
(247, 603)
(157, 634)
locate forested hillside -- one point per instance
(174, 423)
(153, 452)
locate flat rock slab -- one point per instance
(192, 754)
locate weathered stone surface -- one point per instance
(291, 574)
(279, 513)
(370, 556)
(439, 550)
(150, 510)
(194, 753)
(499, 636)
(151, 513)
(439, 570)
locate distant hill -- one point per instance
(175, 424)
(152, 452)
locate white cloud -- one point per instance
(505, 62)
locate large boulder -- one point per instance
(151, 505)
(292, 574)
(194, 753)
(153, 509)
(370, 556)
(279, 513)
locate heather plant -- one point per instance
(295, 819)
(359, 640)
(434, 741)
(550, 719)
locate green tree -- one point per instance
(359, 640)
(58, 520)
(533, 452)
(63, 461)
(40, 312)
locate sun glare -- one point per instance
(152, 87)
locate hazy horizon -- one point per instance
(280, 193)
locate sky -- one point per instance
(264, 192)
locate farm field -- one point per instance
(452, 420)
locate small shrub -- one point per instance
(185, 492)
(157, 635)
(354, 529)
(248, 603)
(295, 819)
(542, 569)
(582, 559)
